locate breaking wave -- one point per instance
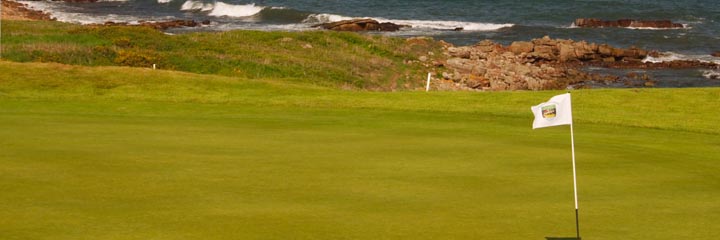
(57, 11)
(224, 9)
(219, 9)
(711, 74)
(197, 6)
(672, 56)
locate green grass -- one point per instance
(323, 58)
(126, 153)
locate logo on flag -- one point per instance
(549, 111)
(557, 111)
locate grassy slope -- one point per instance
(323, 58)
(122, 153)
(692, 110)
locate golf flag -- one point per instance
(557, 111)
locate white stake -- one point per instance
(427, 88)
(153, 66)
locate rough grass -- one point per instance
(318, 57)
(128, 153)
(674, 109)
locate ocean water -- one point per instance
(497, 20)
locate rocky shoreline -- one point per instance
(543, 64)
(17, 11)
(538, 64)
(361, 25)
(164, 25)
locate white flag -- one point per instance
(557, 111)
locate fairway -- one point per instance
(221, 158)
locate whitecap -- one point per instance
(324, 18)
(58, 11)
(196, 6)
(672, 56)
(224, 9)
(711, 74)
(684, 27)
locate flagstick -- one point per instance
(577, 221)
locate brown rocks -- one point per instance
(159, 25)
(521, 47)
(716, 54)
(547, 63)
(12, 10)
(360, 25)
(489, 66)
(559, 50)
(627, 23)
(567, 52)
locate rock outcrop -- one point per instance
(559, 50)
(547, 63)
(716, 54)
(490, 66)
(361, 25)
(626, 23)
(12, 10)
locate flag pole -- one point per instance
(572, 144)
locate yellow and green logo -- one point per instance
(549, 111)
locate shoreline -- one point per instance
(538, 64)
(12, 10)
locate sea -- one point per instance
(497, 20)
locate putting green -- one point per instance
(178, 171)
(166, 155)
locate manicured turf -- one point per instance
(166, 155)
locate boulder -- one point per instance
(360, 25)
(716, 54)
(585, 51)
(627, 23)
(567, 52)
(544, 52)
(461, 52)
(605, 50)
(521, 47)
(545, 41)
(486, 46)
(462, 65)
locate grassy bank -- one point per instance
(127, 153)
(674, 109)
(323, 58)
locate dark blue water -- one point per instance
(500, 21)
